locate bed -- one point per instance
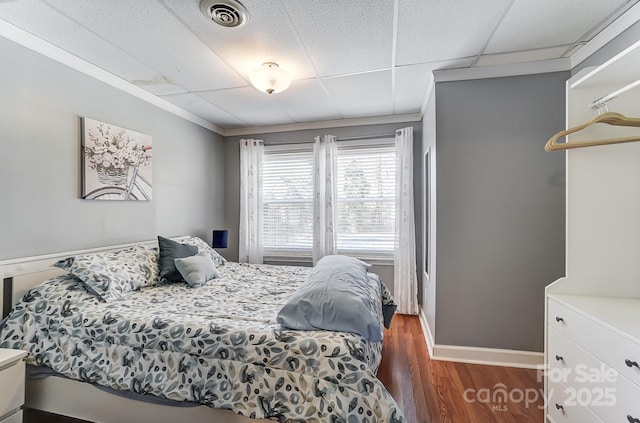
(211, 352)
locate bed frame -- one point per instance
(79, 399)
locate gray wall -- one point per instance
(500, 209)
(41, 104)
(232, 179)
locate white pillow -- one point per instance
(197, 270)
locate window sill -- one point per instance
(306, 260)
(377, 261)
(288, 258)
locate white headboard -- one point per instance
(21, 274)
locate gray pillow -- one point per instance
(197, 270)
(335, 296)
(168, 251)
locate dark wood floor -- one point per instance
(436, 391)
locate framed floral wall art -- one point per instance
(116, 162)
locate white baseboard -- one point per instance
(478, 355)
(488, 356)
(428, 336)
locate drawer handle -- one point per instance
(633, 419)
(559, 319)
(559, 358)
(630, 363)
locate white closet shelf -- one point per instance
(618, 72)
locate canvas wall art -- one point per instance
(116, 162)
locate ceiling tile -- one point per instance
(411, 83)
(248, 104)
(434, 30)
(366, 94)
(305, 101)
(147, 30)
(267, 36)
(546, 23)
(47, 23)
(170, 49)
(410, 87)
(344, 36)
(201, 107)
(158, 85)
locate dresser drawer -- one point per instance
(611, 348)
(12, 387)
(575, 367)
(562, 407)
(627, 407)
(589, 382)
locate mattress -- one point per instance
(217, 345)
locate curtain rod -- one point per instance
(361, 137)
(366, 137)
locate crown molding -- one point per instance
(617, 27)
(336, 123)
(497, 71)
(47, 49)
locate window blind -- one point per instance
(365, 206)
(287, 201)
(366, 198)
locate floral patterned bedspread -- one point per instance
(217, 345)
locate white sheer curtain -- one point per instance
(325, 153)
(250, 231)
(405, 281)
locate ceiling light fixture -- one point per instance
(270, 78)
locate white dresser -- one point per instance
(592, 316)
(594, 354)
(12, 381)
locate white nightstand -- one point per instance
(12, 378)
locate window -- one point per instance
(287, 200)
(365, 205)
(366, 198)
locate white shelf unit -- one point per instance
(602, 282)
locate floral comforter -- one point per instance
(217, 345)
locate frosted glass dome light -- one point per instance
(270, 78)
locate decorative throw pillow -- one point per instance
(111, 275)
(168, 251)
(335, 296)
(203, 247)
(197, 270)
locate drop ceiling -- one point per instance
(348, 59)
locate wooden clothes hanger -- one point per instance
(609, 118)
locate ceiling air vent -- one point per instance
(228, 13)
